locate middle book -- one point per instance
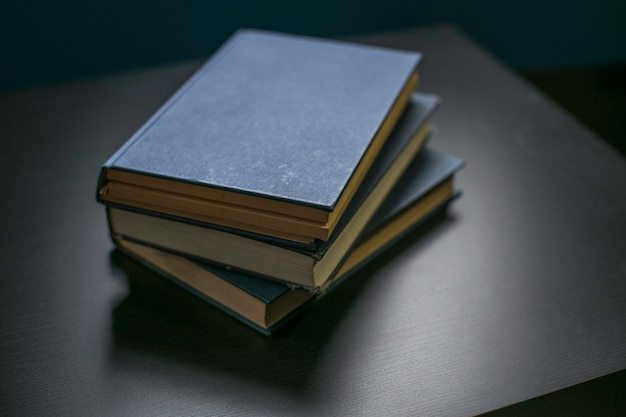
(308, 265)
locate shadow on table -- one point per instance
(158, 318)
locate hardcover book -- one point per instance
(273, 135)
(266, 305)
(306, 267)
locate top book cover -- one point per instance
(273, 134)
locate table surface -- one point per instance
(518, 292)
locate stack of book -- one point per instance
(282, 166)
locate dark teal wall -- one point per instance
(52, 41)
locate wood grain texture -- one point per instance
(520, 291)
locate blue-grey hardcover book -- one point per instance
(273, 134)
(306, 267)
(426, 188)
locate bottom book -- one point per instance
(423, 191)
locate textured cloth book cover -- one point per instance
(290, 120)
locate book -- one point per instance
(309, 268)
(266, 305)
(273, 134)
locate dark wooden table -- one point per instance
(519, 292)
